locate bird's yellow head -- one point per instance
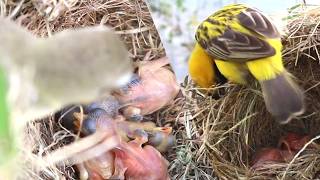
(201, 67)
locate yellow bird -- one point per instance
(238, 42)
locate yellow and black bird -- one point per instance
(238, 42)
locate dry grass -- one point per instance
(219, 137)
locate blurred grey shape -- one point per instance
(72, 66)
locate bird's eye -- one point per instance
(89, 125)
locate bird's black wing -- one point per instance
(257, 22)
(233, 45)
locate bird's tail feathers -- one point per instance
(283, 98)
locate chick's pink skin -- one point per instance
(140, 163)
(293, 142)
(287, 156)
(157, 88)
(266, 155)
(288, 146)
(101, 167)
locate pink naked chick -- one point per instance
(266, 156)
(293, 142)
(152, 88)
(135, 162)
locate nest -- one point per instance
(219, 137)
(128, 18)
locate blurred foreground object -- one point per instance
(62, 69)
(153, 87)
(241, 43)
(47, 74)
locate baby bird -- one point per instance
(153, 87)
(140, 163)
(265, 156)
(293, 142)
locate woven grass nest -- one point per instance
(219, 137)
